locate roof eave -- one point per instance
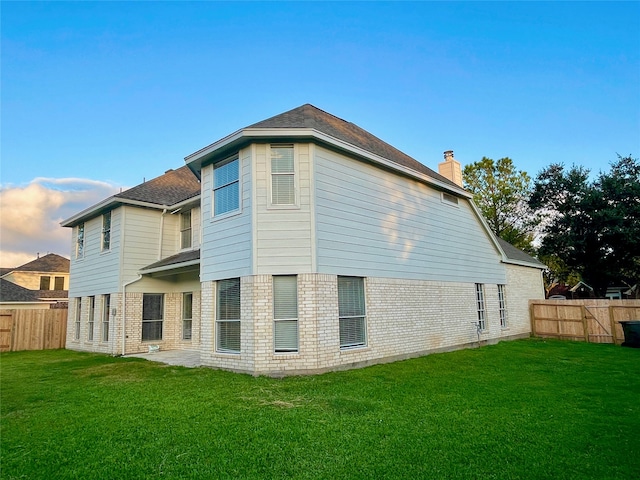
(173, 266)
(114, 202)
(198, 159)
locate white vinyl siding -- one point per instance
(378, 224)
(152, 316)
(228, 338)
(97, 272)
(91, 318)
(283, 235)
(352, 312)
(283, 180)
(480, 306)
(226, 242)
(285, 313)
(502, 306)
(187, 316)
(106, 231)
(226, 187)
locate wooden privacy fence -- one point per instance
(32, 329)
(595, 321)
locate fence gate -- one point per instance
(595, 321)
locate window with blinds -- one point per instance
(92, 312)
(185, 229)
(352, 312)
(187, 315)
(106, 312)
(78, 317)
(285, 313)
(152, 316)
(226, 187)
(283, 189)
(228, 316)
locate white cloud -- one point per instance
(30, 215)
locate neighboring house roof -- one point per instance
(174, 188)
(578, 285)
(179, 260)
(311, 123)
(10, 292)
(515, 255)
(50, 262)
(54, 294)
(4, 271)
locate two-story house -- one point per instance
(299, 244)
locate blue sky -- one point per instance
(99, 95)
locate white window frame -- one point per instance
(152, 320)
(238, 208)
(187, 316)
(186, 233)
(228, 317)
(80, 233)
(273, 175)
(502, 306)
(285, 314)
(106, 313)
(91, 318)
(481, 307)
(348, 315)
(106, 232)
(78, 312)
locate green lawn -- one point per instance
(524, 409)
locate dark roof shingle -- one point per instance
(50, 262)
(173, 187)
(516, 254)
(10, 292)
(309, 116)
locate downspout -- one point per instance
(124, 311)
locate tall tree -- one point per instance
(592, 227)
(502, 193)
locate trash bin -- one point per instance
(631, 329)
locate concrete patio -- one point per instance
(183, 358)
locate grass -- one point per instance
(524, 409)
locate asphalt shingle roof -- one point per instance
(516, 254)
(309, 116)
(173, 187)
(10, 292)
(178, 258)
(47, 263)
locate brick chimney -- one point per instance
(450, 168)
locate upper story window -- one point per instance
(58, 283)
(226, 187)
(106, 231)
(80, 240)
(45, 283)
(185, 229)
(283, 189)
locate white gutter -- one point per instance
(124, 311)
(113, 201)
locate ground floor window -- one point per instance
(285, 313)
(152, 316)
(78, 317)
(106, 311)
(228, 316)
(502, 305)
(92, 310)
(482, 323)
(352, 312)
(187, 315)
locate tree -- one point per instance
(592, 227)
(501, 193)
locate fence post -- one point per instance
(585, 325)
(533, 318)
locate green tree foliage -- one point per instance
(501, 193)
(592, 228)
